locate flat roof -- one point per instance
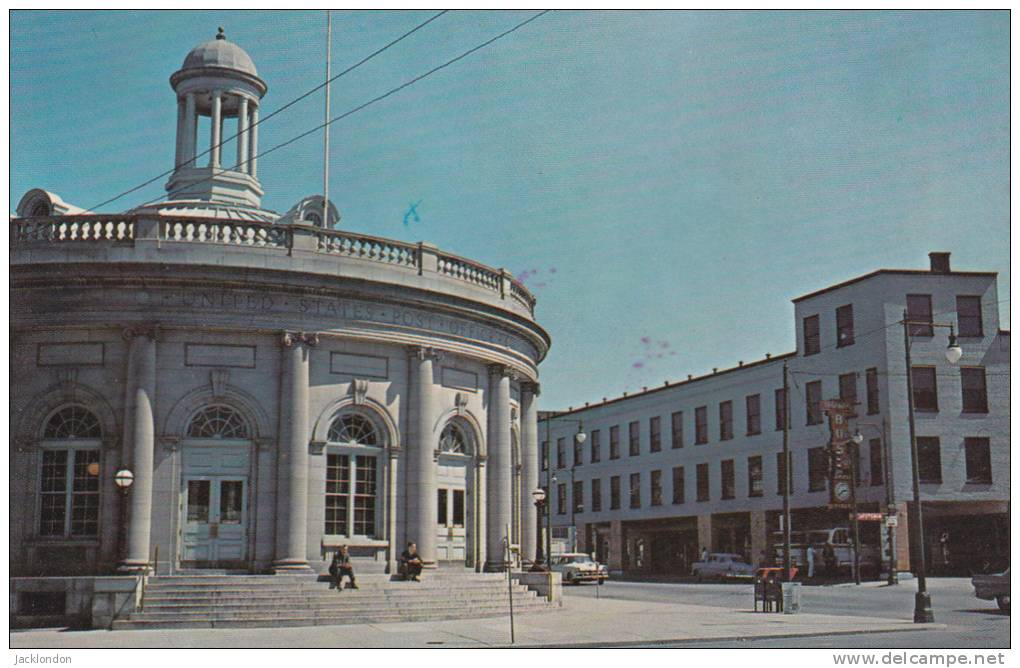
(905, 272)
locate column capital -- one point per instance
(531, 387)
(422, 353)
(502, 371)
(148, 330)
(290, 339)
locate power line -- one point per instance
(284, 107)
(381, 97)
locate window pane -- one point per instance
(979, 460)
(635, 490)
(753, 403)
(654, 434)
(877, 466)
(919, 315)
(812, 340)
(85, 514)
(755, 477)
(678, 484)
(656, 488)
(231, 501)
(596, 446)
(198, 501)
(54, 471)
(577, 496)
(561, 453)
(701, 425)
(73, 422)
(929, 459)
(596, 495)
(925, 389)
(728, 480)
(968, 315)
(848, 389)
(53, 514)
(845, 325)
(818, 469)
(725, 420)
(813, 401)
(218, 422)
(678, 430)
(545, 455)
(364, 496)
(614, 492)
(873, 399)
(635, 439)
(780, 409)
(338, 489)
(702, 472)
(458, 507)
(561, 499)
(781, 473)
(975, 394)
(614, 442)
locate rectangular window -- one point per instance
(753, 403)
(848, 389)
(678, 430)
(656, 488)
(561, 453)
(596, 495)
(813, 401)
(877, 465)
(755, 476)
(929, 459)
(442, 515)
(654, 434)
(614, 442)
(926, 395)
(725, 420)
(975, 393)
(702, 472)
(729, 483)
(338, 492)
(545, 455)
(614, 493)
(701, 425)
(871, 378)
(845, 326)
(578, 453)
(596, 446)
(69, 489)
(818, 469)
(919, 315)
(812, 335)
(578, 496)
(678, 484)
(458, 507)
(781, 473)
(968, 315)
(364, 496)
(979, 460)
(561, 499)
(635, 490)
(634, 440)
(780, 409)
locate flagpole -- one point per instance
(325, 136)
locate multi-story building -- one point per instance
(697, 463)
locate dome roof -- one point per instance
(219, 53)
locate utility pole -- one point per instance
(325, 130)
(786, 471)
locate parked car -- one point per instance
(722, 566)
(993, 587)
(579, 567)
(841, 540)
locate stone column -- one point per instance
(479, 524)
(391, 511)
(139, 443)
(421, 445)
(214, 129)
(254, 142)
(529, 469)
(242, 134)
(190, 129)
(759, 537)
(500, 483)
(179, 149)
(292, 454)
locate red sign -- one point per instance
(840, 453)
(870, 517)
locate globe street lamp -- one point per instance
(922, 600)
(124, 478)
(539, 565)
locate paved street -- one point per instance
(969, 622)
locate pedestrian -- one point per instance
(341, 566)
(704, 553)
(829, 557)
(411, 563)
(810, 558)
(944, 548)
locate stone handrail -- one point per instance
(133, 228)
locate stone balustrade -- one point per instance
(127, 228)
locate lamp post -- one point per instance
(539, 496)
(550, 477)
(123, 479)
(922, 600)
(858, 437)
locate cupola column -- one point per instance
(254, 132)
(215, 129)
(242, 134)
(179, 152)
(190, 129)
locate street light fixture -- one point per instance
(922, 600)
(124, 478)
(539, 565)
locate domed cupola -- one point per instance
(218, 81)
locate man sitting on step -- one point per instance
(341, 566)
(411, 563)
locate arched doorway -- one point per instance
(456, 490)
(215, 488)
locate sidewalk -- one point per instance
(581, 622)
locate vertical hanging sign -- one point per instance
(840, 452)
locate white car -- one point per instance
(579, 567)
(722, 566)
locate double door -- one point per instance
(453, 510)
(215, 520)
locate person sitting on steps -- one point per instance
(411, 563)
(341, 566)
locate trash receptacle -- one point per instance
(791, 598)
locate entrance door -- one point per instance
(215, 525)
(453, 509)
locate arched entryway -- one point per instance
(215, 489)
(456, 489)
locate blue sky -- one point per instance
(661, 177)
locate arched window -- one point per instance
(353, 429)
(73, 422)
(219, 421)
(454, 441)
(352, 474)
(69, 474)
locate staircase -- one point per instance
(245, 601)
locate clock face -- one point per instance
(842, 490)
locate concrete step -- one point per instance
(427, 614)
(367, 608)
(292, 580)
(329, 594)
(267, 594)
(337, 601)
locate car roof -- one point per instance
(572, 554)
